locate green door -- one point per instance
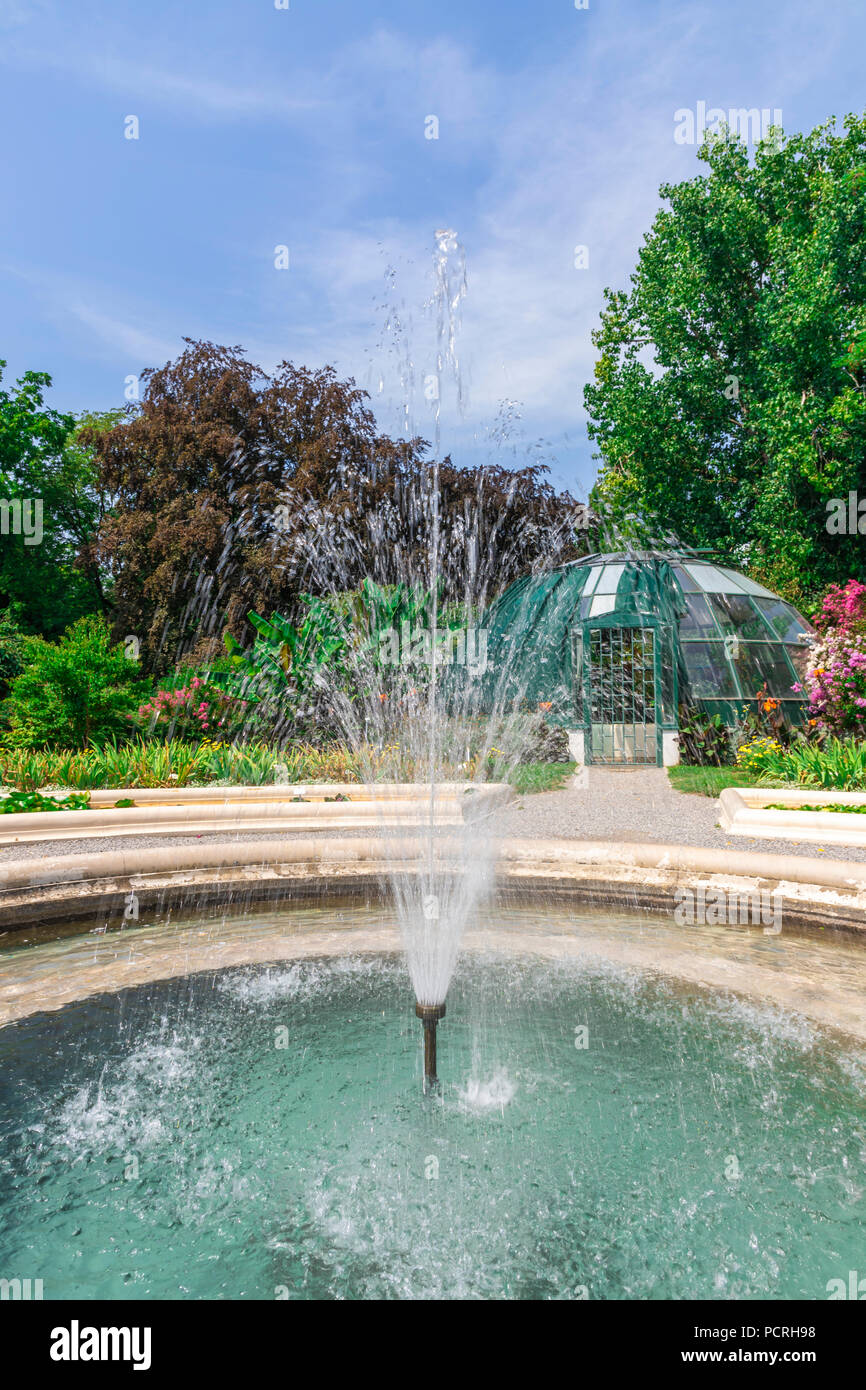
(622, 691)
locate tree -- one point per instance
(75, 692)
(408, 521)
(12, 641)
(729, 398)
(198, 475)
(235, 490)
(51, 507)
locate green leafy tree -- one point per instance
(76, 692)
(12, 641)
(53, 505)
(729, 399)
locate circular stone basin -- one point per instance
(259, 1132)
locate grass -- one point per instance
(540, 777)
(709, 781)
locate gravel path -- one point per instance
(640, 805)
(625, 804)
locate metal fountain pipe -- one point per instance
(430, 1015)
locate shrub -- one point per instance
(835, 678)
(704, 740)
(12, 641)
(194, 710)
(835, 682)
(545, 743)
(78, 691)
(843, 608)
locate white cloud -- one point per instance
(534, 157)
(134, 346)
(135, 80)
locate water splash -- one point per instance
(494, 1093)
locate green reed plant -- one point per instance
(838, 764)
(177, 763)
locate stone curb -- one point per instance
(743, 812)
(168, 812)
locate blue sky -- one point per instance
(305, 127)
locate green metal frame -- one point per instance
(664, 656)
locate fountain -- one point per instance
(427, 694)
(218, 1100)
(168, 1140)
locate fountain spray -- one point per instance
(450, 290)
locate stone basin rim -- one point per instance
(813, 893)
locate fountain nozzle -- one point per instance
(430, 1015)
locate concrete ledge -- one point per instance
(743, 811)
(285, 791)
(812, 893)
(202, 811)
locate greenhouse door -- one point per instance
(623, 695)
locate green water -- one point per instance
(260, 1132)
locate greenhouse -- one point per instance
(613, 646)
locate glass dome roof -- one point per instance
(731, 637)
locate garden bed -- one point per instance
(781, 813)
(214, 811)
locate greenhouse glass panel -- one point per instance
(698, 620)
(709, 671)
(749, 586)
(592, 579)
(783, 619)
(712, 581)
(667, 694)
(602, 603)
(799, 659)
(609, 582)
(760, 663)
(737, 614)
(685, 581)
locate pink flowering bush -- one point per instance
(194, 710)
(843, 609)
(835, 679)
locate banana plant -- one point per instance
(376, 609)
(285, 653)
